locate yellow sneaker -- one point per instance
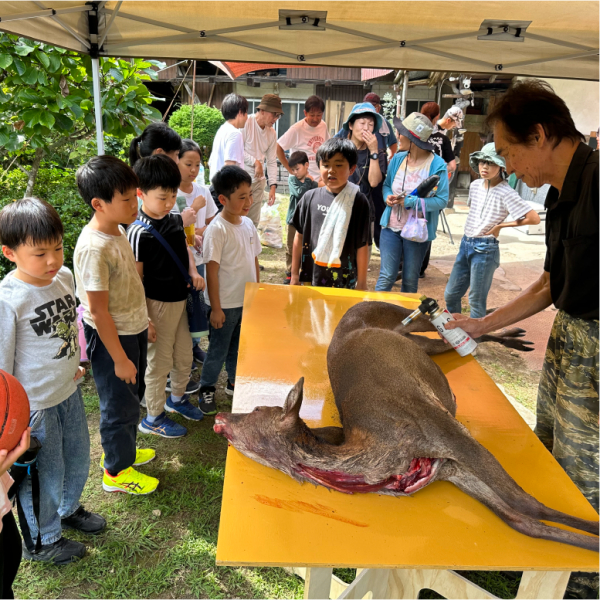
(129, 481)
(142, 456)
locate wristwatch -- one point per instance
(374, 155)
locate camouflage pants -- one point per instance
(567, 415)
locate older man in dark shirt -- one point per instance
(534, 132)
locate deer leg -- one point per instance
(474, 487)
(482, 465)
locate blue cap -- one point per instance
(364, 108)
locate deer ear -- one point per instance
(293, 402)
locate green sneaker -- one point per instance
(129, 481)
(142, 456)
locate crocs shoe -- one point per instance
(162, 426)
(142, 456)
(129, 481)
(185, 408)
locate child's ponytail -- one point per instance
(156, 135)
(134, 150)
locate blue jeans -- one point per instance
(119, 401)
(223, 348)
(394, 248)
(63, 465)
(474, 267)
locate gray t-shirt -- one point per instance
(39, 337)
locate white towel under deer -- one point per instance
(335, 227)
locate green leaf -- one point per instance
(116, 74)
(154, 113)
(32, 116)
(47, 119)
(30, 76)
(54, 63)
(5, 61)
(62, 121)
(23, 49)
(42, 78)
(27, 95)
(86, 104)
(76, 110)
(36, 141)
(19, 66)
(4, 138)
(4, 97)
(43, 58)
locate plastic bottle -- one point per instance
(459, 339)
(200, 177)
(190, 230)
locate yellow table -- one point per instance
(402, 543)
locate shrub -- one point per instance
(207, 121)
(58, 187)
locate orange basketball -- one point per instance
(14, 411)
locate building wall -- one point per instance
(582, 99)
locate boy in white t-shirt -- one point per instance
(228, 145)
(306, 135)
(230, 253)
(491, 201)
(198, 197)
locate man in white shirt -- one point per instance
(228, 145)
(260, 143)
(306, 135)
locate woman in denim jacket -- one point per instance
(414, 162)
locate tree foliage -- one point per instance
(207, 121)
(46, 98)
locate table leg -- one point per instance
(370, 583)
(543, 584)
(317, 583)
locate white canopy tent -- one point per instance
(545, 39)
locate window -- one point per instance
(414, 106)
(292, 112)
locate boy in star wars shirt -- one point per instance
(39, 341)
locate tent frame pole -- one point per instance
(98, 105)
(404, 94)
(66, 27)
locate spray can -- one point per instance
(461, 341)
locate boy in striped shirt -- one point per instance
(491, 200)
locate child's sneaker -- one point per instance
(207, 403)
(143, 402)
(199, 355)
(185, 408)
(162, 426)
(142, 456)
(190, 388)
(129, 481)
(230, 388)
(288, 279)
(84, 521)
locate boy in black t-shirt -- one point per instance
(166, 294)
(337, 161)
